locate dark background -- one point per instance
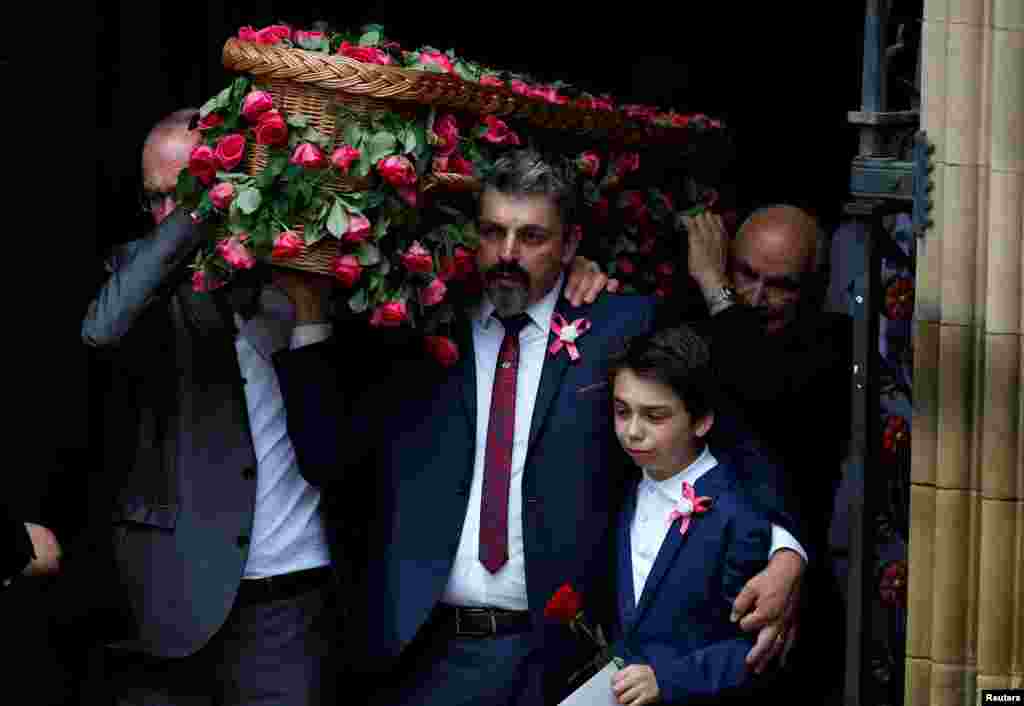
(782, 79)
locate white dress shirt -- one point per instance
(287, 533)
(655, 500)
(470, 583)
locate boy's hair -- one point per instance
(677, 357)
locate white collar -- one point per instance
(672, 487)
(540, 312)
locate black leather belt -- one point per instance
(481, 622)
(283, 586)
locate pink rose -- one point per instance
(302, 36)
(308, 156)
(202, 163)
(389, 314)
(549, 94)
(433, 293)
(680, 120)
(418, 259)
(256, 104)
(498, 132)
(461, 165)
(230, 150)
(203, 281)
(397, 171)
(436, 58)
(367, 55)
(603, 103)
(346, 270)
(643, 113)
(589, 163)
(663, 292)
(235, 253)
(520, 87)
(627, 162)
(211, 121)
(268, 35)
(358, 229)
(443, 349)
(447, 131)
(343, 157)
(491, 80)
(287, 245)
(271, 129)
(222, 195)
(439, 165)
(613, 285)
(625, 265)
(465, 262)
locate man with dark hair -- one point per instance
(495, 480)
(786, 365)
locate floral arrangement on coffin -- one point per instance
(406, 257)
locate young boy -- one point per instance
(686, 540)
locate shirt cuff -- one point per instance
(308, 334)
(781, 539)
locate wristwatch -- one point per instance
(721, 298)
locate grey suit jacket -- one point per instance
(185, 465)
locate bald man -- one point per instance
(786, 365)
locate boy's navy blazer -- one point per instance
(680, 626)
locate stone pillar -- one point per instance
(965, 628)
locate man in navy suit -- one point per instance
(489, 484)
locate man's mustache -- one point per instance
(511, 271)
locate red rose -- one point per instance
(601, 208)
(202, 163)
(498, 132)
(565, 606)
(346, 270)
(222, 195)
(465, 262)
(211, 121)
(625, 265)
(230, 150)
(436, 58)
(308, 156)
(678, 120)
(447, 131)
(665, 270)
(358, 229)
(443, 349)
(589, 163)
(418, 259)
(635, 207)
(643, 113)
(389, 314)
(446, 268)
(896, 436)
(663, 292)
(287, 245)
(409, 195)
(268, 35)
(271, 129)
(256, 104)
(491, 80)
(343, 157)
(647, 245)
(460, 165)
(627, 162)
(433, 293)
(397, 171)
(203, 281)
(367, 55)
(520, 87)
(235, 253)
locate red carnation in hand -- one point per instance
(565, 606)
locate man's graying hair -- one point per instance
(527, 171)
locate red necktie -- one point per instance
(498, 458)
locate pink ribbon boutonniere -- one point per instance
(567, 334)
(688, 506)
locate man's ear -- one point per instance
(704, 425)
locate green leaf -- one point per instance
(311, 134)
(373, 200)
(233, 177)
(359, 302)
(186, 187)
(295, 120)
(248, 200)
(380, 228)
(362, 166)
(312, 233)
(337, 221)
(354, 134)
(370, 39)
(380, 145)
(410, 141)
(221, 100)
(368, 254)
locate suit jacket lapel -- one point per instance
(465, 368)
(627, 596)
(554, 369)
(270, 329)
